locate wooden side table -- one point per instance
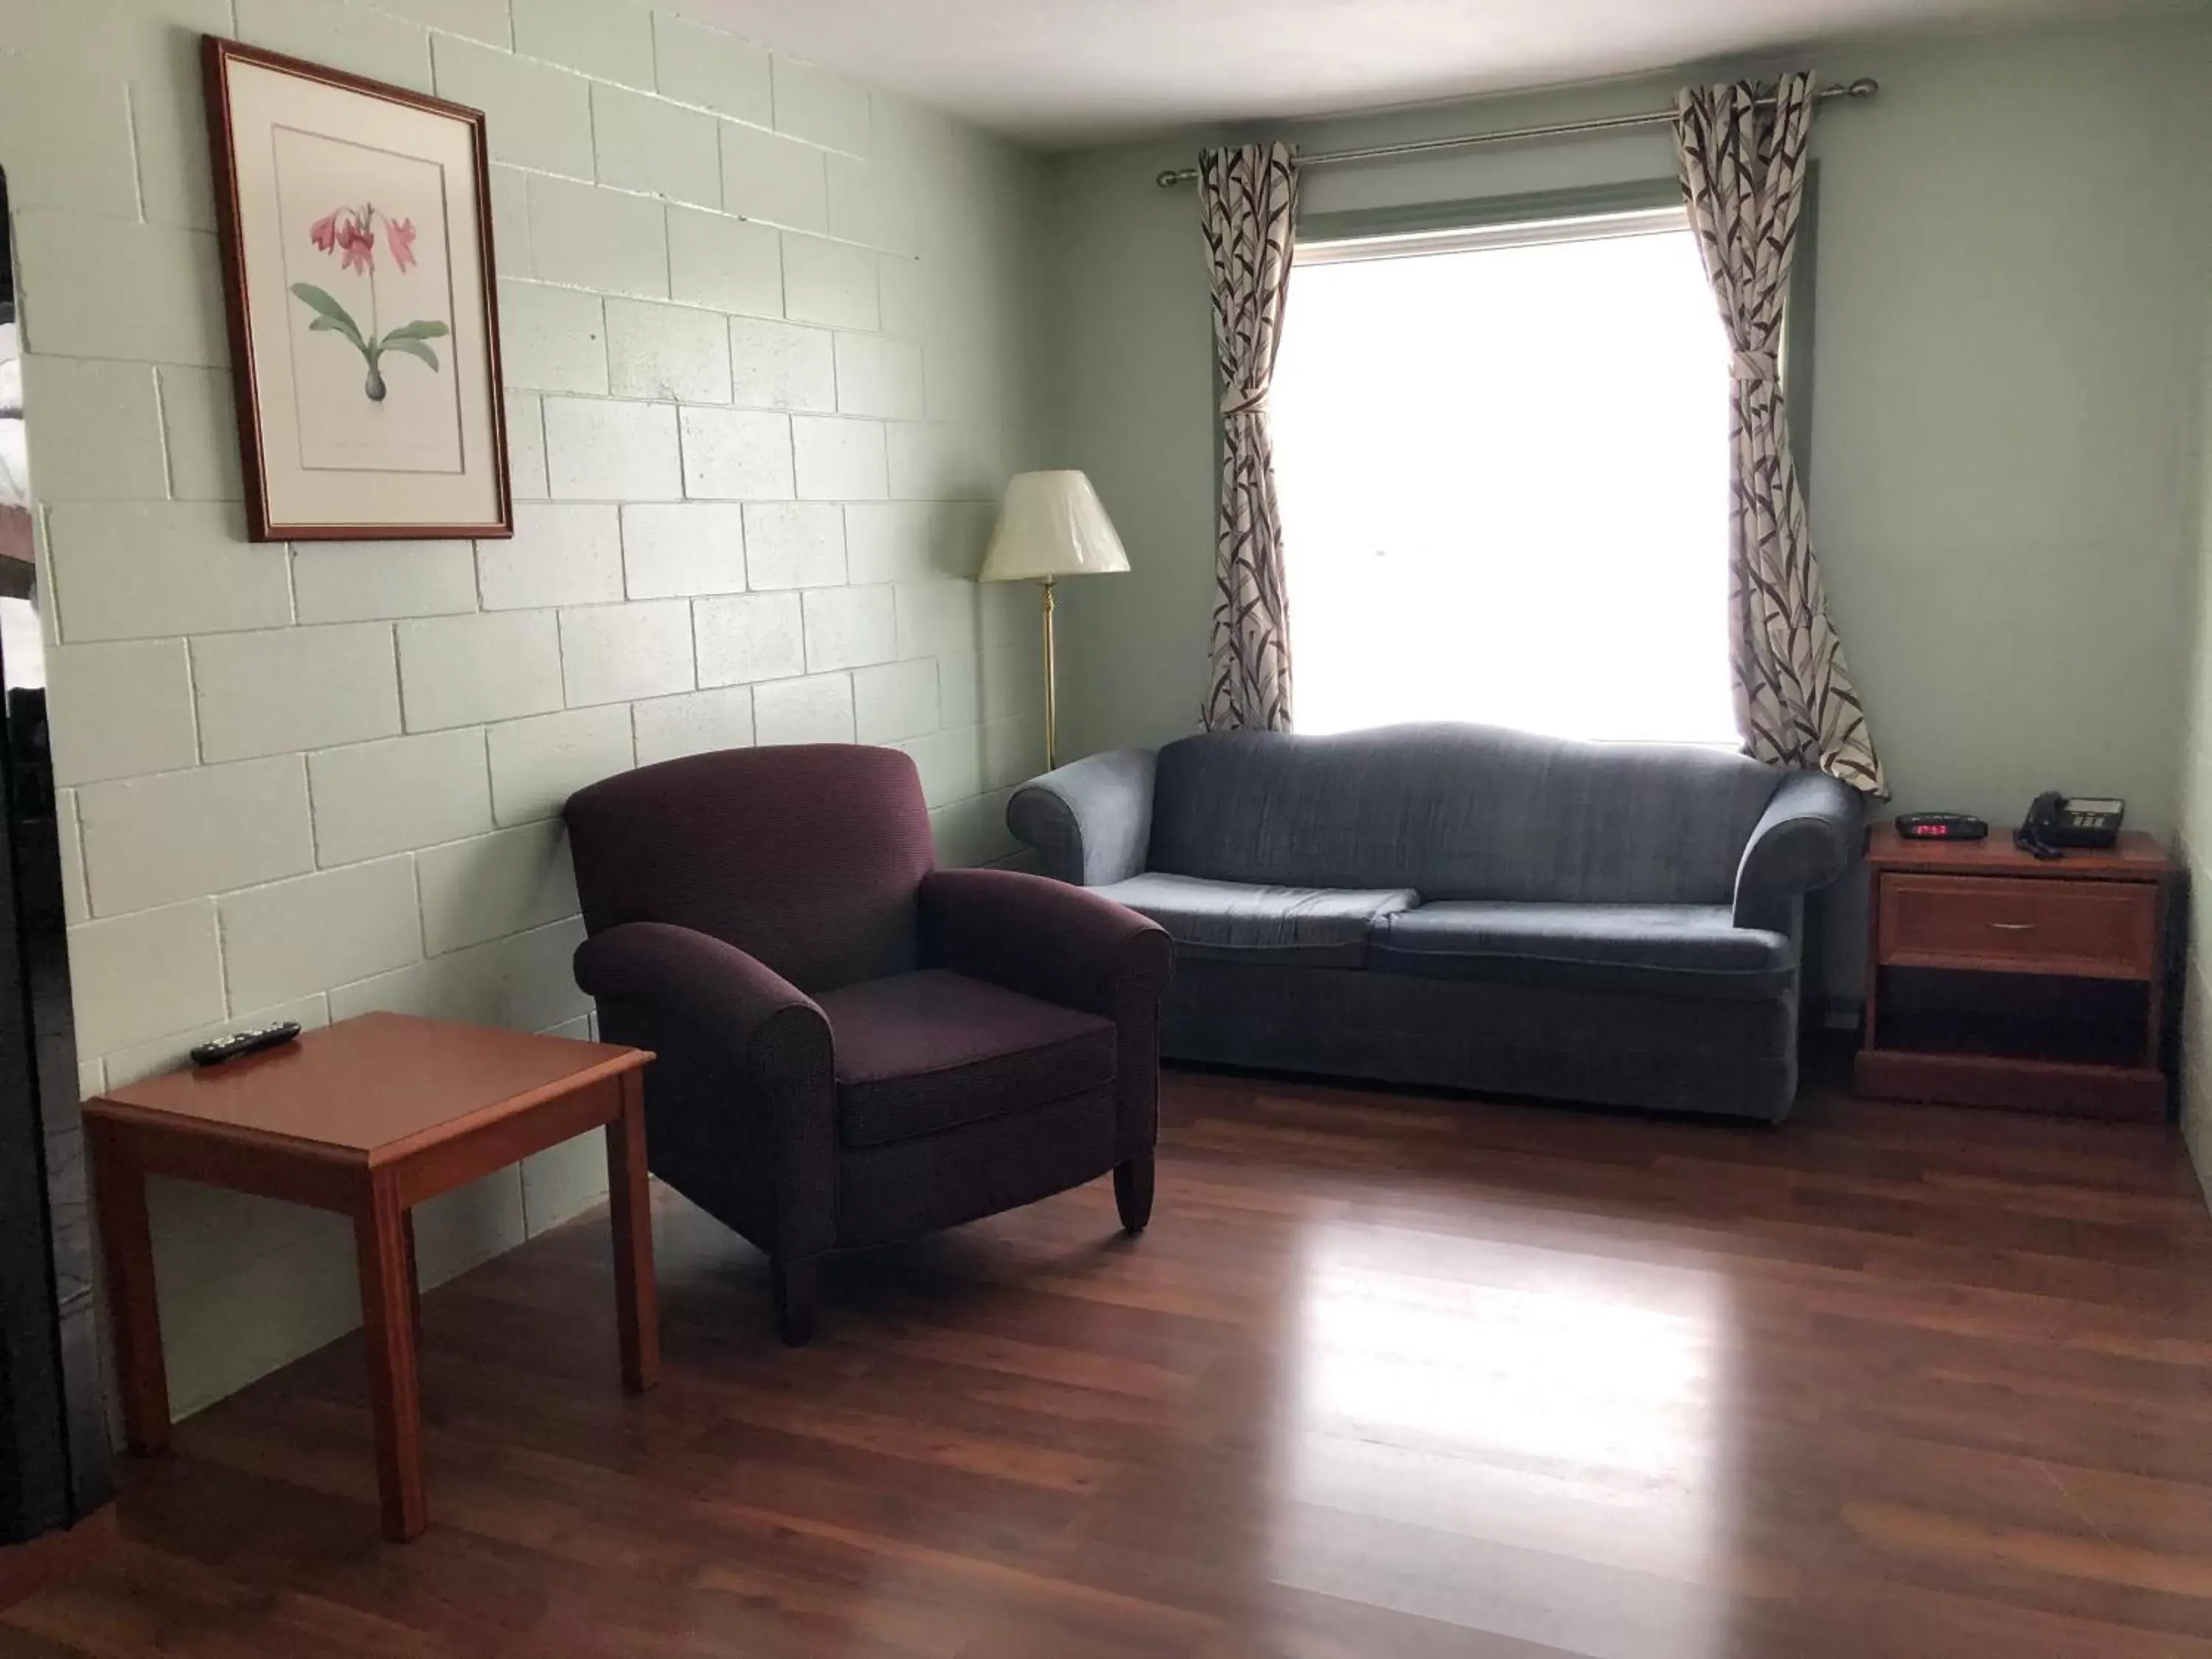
(1994, 978)
(369, 1117)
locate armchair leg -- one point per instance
(1132, 1191)
(797, 1287)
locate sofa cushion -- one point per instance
(919, 1052)
(1692, 948)
(1459, 812)
(1316, 927)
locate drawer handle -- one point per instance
(2013, 927)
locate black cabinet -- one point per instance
(53, 1430)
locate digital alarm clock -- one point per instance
(1942, 826)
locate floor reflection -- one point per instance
(1517, 1440)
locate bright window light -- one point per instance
(1502, 461)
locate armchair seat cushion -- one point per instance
(1234, 921)
(924, 1051)
(1688, 949)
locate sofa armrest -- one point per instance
(1807, 839)
(1044, 939)
(1089, 821)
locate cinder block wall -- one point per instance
(768, 344)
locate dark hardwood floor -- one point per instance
(1390, 1376)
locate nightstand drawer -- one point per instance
(2095, 929)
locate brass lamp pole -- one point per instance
(1053, 524)
(1051, 684)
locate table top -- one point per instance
(2137, 858)
(371, 1087)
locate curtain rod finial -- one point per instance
(1167, 178)
(1865, 87)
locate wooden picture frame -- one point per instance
(349, 429)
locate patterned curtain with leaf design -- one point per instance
(1742, 152)
(1247, 196)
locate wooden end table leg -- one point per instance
(414, 1278)
(637, 1302)
(387, 1315)
(126, 1245)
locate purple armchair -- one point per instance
(854, 1045)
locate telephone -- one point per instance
(2055, 823)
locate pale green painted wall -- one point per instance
(2011, 274)
(2195, 836)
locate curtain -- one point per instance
(1247, 196)
(1742, 162)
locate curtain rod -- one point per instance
(1167, 179)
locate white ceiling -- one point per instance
(1059, 72)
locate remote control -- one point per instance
(245, 1043)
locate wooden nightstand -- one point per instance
(1996, 979)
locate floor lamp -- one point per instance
(1053, 524)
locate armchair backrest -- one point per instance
(809, 858)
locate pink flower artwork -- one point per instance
(356, 247)
(350, 233)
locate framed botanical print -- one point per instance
(355, 231)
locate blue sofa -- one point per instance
(1465, 907)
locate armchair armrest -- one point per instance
(1806, 840)
(727, 999)
(1057, 942)
(1089, 821)
(740, 1104)
(1044, 937)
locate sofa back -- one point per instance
(1459, 812)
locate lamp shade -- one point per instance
(1053, 524)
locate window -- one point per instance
(1502, 460)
